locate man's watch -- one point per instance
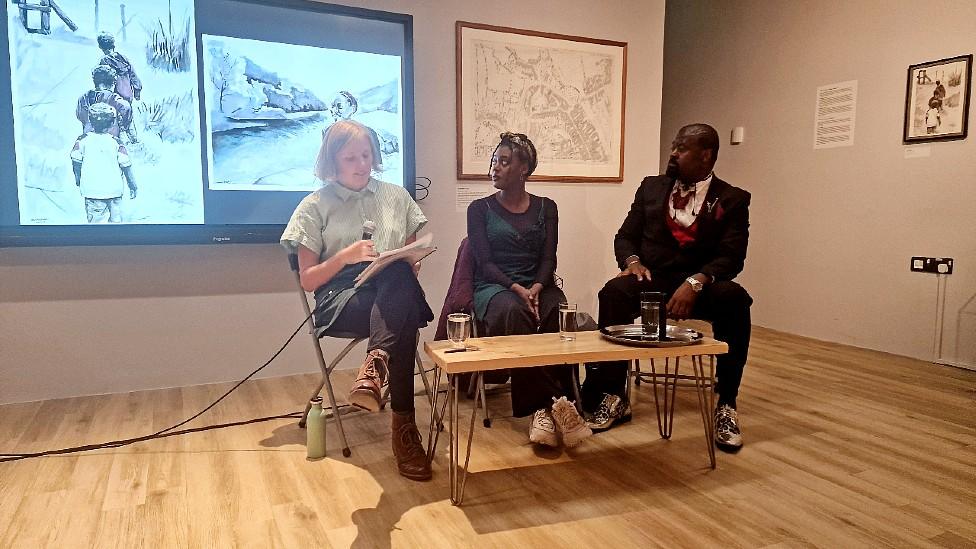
(695, 284)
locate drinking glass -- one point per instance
(567, 321)
(458, 329)
(651, 313)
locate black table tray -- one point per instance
(633, 334)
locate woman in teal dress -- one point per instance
(513, 237)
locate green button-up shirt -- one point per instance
(331, 218)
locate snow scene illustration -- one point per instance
(268, 104)
(106, 116)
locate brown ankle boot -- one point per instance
(407, 448)
(366, 391)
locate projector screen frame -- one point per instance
(176, 234)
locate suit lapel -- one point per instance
(661, 198)
(706, 216)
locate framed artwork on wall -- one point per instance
(937, 100)
(567, 93)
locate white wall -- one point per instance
(820, 266)
(77, 321)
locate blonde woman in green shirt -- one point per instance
(326, 232)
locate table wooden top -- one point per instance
(521, 351)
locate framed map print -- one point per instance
(566, 93)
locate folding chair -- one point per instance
(327, 368)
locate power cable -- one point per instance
(425, 187)
(162, 433)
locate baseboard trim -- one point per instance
(956, 364)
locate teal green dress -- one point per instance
(516, 254)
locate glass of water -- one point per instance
(458, 329)
(567, 321)
(651, 313)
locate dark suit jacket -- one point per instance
(720, 245)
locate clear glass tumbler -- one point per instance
(458, 329)
(567, 321)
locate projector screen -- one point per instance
(182, 121)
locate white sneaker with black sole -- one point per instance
(569, 422)
(543, 429)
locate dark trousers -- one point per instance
(390, 311)
(724, 303)
(532, 388)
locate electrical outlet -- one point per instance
(936, 265)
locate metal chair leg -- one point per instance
(308, 405)
(574, 369)
(346, 452)
(484, 400)
(326, 371)
(629, 386)
(426, 382)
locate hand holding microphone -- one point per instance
(368, 229)
(362, 250)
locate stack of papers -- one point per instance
(411, 253)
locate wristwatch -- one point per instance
(695, 284)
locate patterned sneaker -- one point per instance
(366, 391)
(612, 410)
(543, 430)
(569, 422)
(727, 434)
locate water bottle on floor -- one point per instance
(315, 430)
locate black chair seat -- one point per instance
(325, 332)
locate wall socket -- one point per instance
(937, 265)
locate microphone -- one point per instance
(368, 228)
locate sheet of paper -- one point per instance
(833, 124)
(468, 193)
(918, 152)
(411, 253)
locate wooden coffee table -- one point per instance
(524, 351)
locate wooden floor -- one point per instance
(844, 448)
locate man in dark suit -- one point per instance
(685, 235)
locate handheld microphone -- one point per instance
(368, 228)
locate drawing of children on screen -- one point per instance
(127, 83)
(149, 48)
(100, 162)
(104, 78)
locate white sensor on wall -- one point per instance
(738, 135)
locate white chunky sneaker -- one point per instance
(569, 422)
(543, 430)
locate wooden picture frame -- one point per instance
(937, 100)
(567, 93)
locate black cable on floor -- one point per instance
(161, 433)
